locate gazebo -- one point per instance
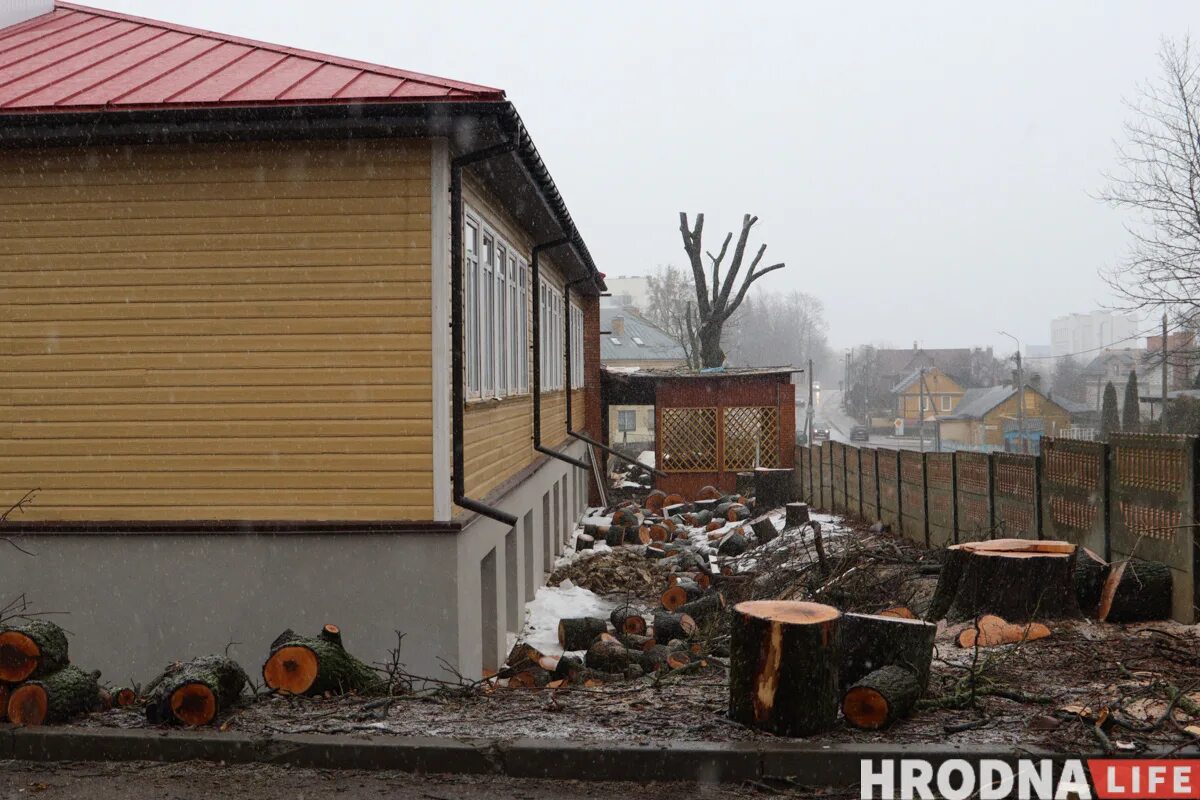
(710, 424)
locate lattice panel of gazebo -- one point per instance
(689, 439)
(751, 437)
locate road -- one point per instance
(195, 781)
(829, 410)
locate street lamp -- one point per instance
(1020, 392)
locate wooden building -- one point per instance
(929, 385)
(988, 419)
(298, 319)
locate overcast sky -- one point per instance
(925, 169)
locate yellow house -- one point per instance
(989, 417)
(939, 392)
(273, 320)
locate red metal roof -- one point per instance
(77, 58)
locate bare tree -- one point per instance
(1158, 178)
(671, 306)
(715, 301)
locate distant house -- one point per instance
(988, 419)
(630, 341)
(967, 366)
(938, 391)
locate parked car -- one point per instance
(860, 433)
(820, 434)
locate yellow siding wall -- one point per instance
(217, 332)
(498, 434)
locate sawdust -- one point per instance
(624, 571)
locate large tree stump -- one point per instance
(35, 648)
(56, 697)
(797, 515)
(880, 698)
(194, 692)
(305, 665)
(871, 642)
(1090, 572)
(764, 529)
(1136, 591)
(1018, 579)
(772, 488)
(783, 666)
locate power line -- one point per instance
(1134, 337)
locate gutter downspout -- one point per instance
(457, 359)
(535, 281)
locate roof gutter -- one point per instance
(457, 340)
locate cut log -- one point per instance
(625, 518)
(1032, 580)
(737, 513)
(1090, 572)
(772, 487)
(797, 515)
(578, 633)
(659, 533)
(683, 591)
(733, 544)
(306, 665)
(584, 542)
(710, 604)
(679, 658)
(638, 535)
(193, 692)
(668, 626)
(607, 656)
(3, 702)
(708, 493)
(535, 677)
(992, 631)
(898, 611)
(1136, 591)
(523, 656)
(614, 535)
(36, 648)
(636, 641)
(654, 501)
(873, 641)
(764, 529)
(653, 551)
(569, 668)
(124, 696)
(56, 697)
(625, 620)
(880, 698)
(654, 658)
(783, 666)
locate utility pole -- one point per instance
(1020, 393)
(846, 386)
(808, 422)
(921, 408)
(1163, 417)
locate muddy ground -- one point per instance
(1048, 693)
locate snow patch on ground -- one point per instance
(646, 457)
(552, 603)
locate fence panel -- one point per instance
(887, 463)
(824, 469)
(1152, 490)
(1015, 496)
(868, 471)
(973, 496)
(939, 481)
(1074, 493)
(912, 496)
(853, 485)
(837, 476)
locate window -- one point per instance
(576, 347)
(945, 402)
(638, 341)
(626, 421)
(496, 308)
(551, 337)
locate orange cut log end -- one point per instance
(125, 697)
(194, 704)
(19, 656)
(291, 669)
(673, 598)
(28, 704)
(866, 708)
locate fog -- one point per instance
(926, 171)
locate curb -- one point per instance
(802, 763)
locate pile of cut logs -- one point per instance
(38, 684)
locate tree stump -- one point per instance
(783, 666)
(1018, 579)
(584, 542)
(36, 648)
(764, 529)
(871, 642)
(1136, 591)
(1090, 572)
(772, 488)
(305, 665)
(880, 698)
(578, 633)
(56, 697)
(797, 515)
(194, 692)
